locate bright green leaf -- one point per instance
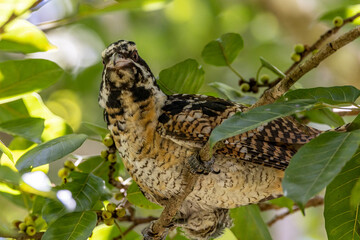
(184, 77)
(224, 50)
(245, 121)
(102, 232)
(50, 151)
(135, 196)
(7, 175)
(325, 116)
(341, 221)
(72, 226)
(29, 128)
(22, 36)
(9, 7)
(13, 110)
(355, 195)
(20, 77)
(283, 202)
(248, 223)
(233, 94)
(330, 95)
(316, 164)
(271, 67)
(6, 150)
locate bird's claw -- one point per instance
(198, 166)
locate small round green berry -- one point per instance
(299, 48)
(104, 154)
(109, 221)
(119, 196)
(106, 215)
(295, 57)
(29, 221)
(120, 212)
(108, 141)
(111, 207)
(264, 79)
(69, 164)
(64, 173)
(245, 87)
(338, 21)
(112, 157)
(30, 230)
(22, 227)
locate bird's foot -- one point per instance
(148, 233)
(198, 166)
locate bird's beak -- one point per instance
(119, 62)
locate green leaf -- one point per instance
(13, 110)
(21, 77)
(9, 7)
(7, 175)
(248, 223)
(50, 151)
(86, 190)
(283, 202)
(355, 195)
(233, 94)
(355, 124)
(330, 95)
(341, 221)
(245, 121)
(135, 196)
(325, 116)
(74, 226)
(184, 77)
(29, 128)
(224, 50)
(22, 36)
(316, 164)
(6, 150)
(102, 232)
(344, 12)
(271, 67)
(101, 131)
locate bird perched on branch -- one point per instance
(158, 136)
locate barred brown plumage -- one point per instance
(158, 134)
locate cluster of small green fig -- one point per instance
(338, 21)
(298, 51)
(112, 211)
(27, 226)
(252, 85)
(64, 172)
(108, 142)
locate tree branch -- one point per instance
(284, 85)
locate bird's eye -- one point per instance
(135, 56)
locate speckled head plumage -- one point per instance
(124, 70)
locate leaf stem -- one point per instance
(234, 71)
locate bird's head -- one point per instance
(124, 70)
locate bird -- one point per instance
(159, 136)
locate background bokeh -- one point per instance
(167, 32)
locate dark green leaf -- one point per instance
(355, 195)
(72, 226)
(355, 124)
(135, 196)
(325, 116)
(271, 67)
(341, 221)
(184, 77)
(248, 223)
(86, 190)
(224, 50)
(50, 151)
(29, 128)
(21, 77)
(22, 36)
(316, 164)
(330, 95)
(243, 122)
(7, 175)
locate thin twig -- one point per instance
(284, 85)
(314, 202)
(309, 49)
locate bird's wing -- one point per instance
(189, 120)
